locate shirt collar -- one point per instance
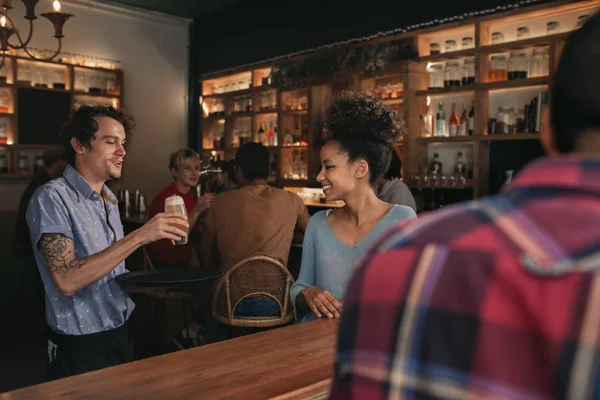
(565, 171)
(83, 188)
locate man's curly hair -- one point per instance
(364, 127)
(81, 125)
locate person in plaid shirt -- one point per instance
(498, 298)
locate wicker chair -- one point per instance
(252, 277)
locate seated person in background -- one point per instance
(54, 166)
(255, 219)
(498, 298)
(391, 189)
(363, 131)
(184, 165)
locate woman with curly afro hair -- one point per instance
(363, 131)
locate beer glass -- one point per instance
(175, 204)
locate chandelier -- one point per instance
(8, 28)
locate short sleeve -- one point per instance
(47, 213)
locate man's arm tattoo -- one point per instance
(55, 250)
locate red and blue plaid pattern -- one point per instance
(498, 298)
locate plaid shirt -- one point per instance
(497, 298)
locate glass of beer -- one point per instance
(176, 204)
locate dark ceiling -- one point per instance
(182, 8)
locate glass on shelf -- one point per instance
(434, 48)
(518, 65)
(436, 76)
(450, 45)
(522, 33)
(468, 76)
(506, 120)
(467, 43)
(294, 164)
(497, 38)
(452, 74)
(540, 62)
(23, 163)
(110, 84)
(552, 28)
(95, 83)
(498, 68)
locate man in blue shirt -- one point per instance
(79, 245)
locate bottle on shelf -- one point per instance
(464, 123)
(275, 135)
(472, 119)
(440, 122)
(271, 135)
(435, 168)
(460, 169)
(509, 176)
(428, 121)
(288, 139)
(453, 122)
(261, 134)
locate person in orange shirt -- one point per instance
(185, 168)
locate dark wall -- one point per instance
(253, 31)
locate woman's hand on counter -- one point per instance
(321, 302)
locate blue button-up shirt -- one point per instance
(69, 205)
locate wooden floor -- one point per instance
(259, 366)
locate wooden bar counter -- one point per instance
(260, 366)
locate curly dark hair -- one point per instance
(81, 125)
(364, 127)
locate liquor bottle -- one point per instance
(460, 169)
(261, 134)
(271, 135)
(435, 167)
(472, 119)
(464, 123)
(428, 121)
(440, 122)
(275, 134)
(454, 122)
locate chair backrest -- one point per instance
(252, 277)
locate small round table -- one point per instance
(184, 279)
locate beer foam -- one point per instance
(174, 201)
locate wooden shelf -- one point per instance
(105, 95)
(516, 136)
(478, 138)
(34, 146)
(6, 114)
(48, 89)
(511, 84)
(392, 102)
(228, 94)
(514, 84)
(295, 112)
(265, 112)
(523, 44)
(450, 90)
(294, 147)
(214, 118)
(240, 115)
(92, 68)
(453, 139)
(449, 56)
